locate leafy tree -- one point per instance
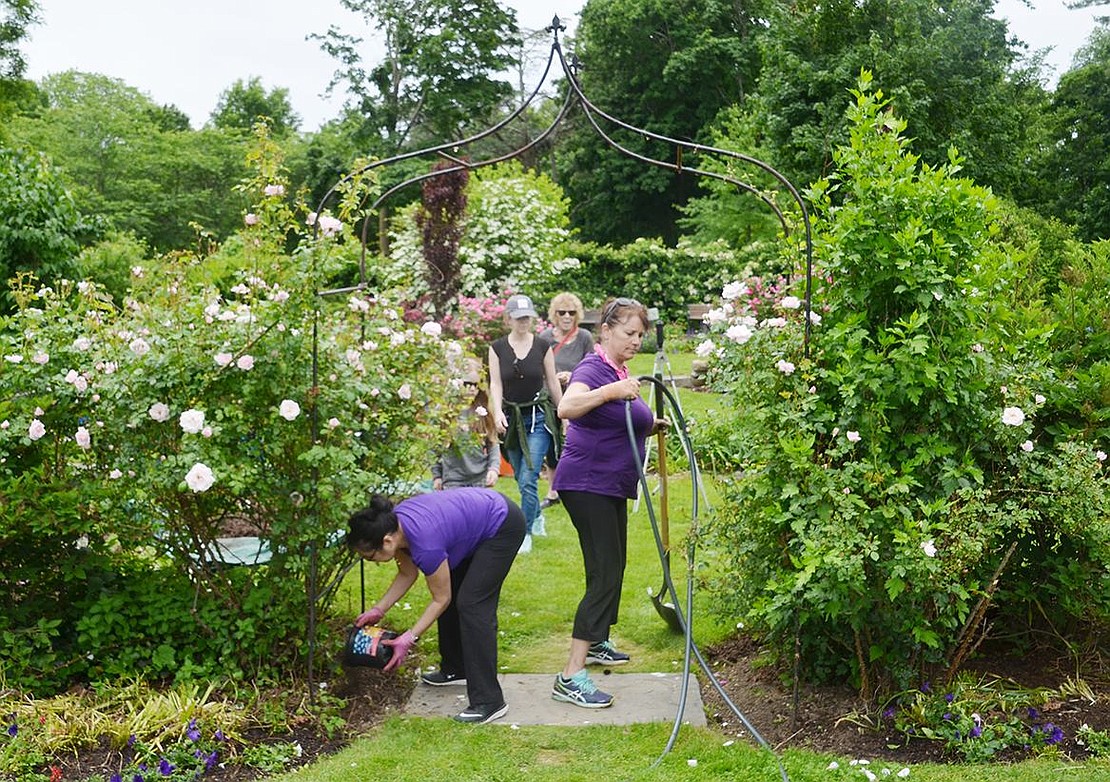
(665, 66)
(15, 17)
(438, 73)
(1076, 170)
(947, 67)
(109, 141)
(40, 226)
(243, 104)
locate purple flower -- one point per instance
(137, 778)
(949, 698)
(1034, 714)
(976, 732)
(191, 731)
(888, 713)
(165, 767)
(219, 735)
(13, 730)
(947, 716)
(1054, 734)
(211, 760)
(115, 778)
(131, 741)
(926, 688)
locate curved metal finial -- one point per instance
(556, 26)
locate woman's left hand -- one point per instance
(402, 645)
(661, 424)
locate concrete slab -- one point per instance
(637, 697)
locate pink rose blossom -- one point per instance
(82, 437)
(200, 477)
(289, 410)
(245, 362)
(159, 412)
(36, 430)
(251, 219)
(192, 421)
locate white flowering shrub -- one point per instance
(132, 438)
(898, 494)
(514, 236)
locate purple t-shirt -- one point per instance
(597, 456)
(449, 524)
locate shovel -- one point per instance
(665, 610)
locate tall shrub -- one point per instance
(898, 496)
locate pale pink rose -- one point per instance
(976, 348)
(1100, 455)
(1013, 416)
(200, 477)
(739, 333)
(929, 548)
(251, 219)
(82, 437)
(274, 190)
(39, 411)
(40, 357)
(279, 296)
(705, 349)
(329, 226)
(14, 358)
(36, 430)
(115, 475)
(192, 421)
(82, 343)
(240, 289)
(159, 412)
(784, 366)
(5, 424)
(206, 431)
(81, 384)
(139, 346)
(790, 303)
(289, 410)
(71, 376)
(853, 437)
(223, 359)
(431, 329)
(1039, 399)
(333, 423)
(405, 391)
(1027, 446)
(245, 362)
(733, 291)
(136, 271)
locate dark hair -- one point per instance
(370, 525)
(615, 310)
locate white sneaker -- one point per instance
(539, 528)
(526, 546)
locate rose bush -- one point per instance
(133, 437)
(889, 511)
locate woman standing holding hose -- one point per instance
(597, 475)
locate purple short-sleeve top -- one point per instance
(597, 456)
(449, 524)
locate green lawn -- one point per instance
(537, 609)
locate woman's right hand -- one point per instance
(501, 422)
(627, 389)
(371, 617)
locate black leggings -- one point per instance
(602, 524)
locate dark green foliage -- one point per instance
(664, 66)
(40, 226)
(1075, 175)
(440, 221)
(948, 69)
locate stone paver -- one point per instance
(637, 697)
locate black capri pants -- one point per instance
(602, 525)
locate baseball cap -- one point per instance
(520, 307)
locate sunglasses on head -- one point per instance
(470, 383)
(610, 313)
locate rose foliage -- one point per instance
(135, 434)
(900, 500)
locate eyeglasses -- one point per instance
(566, 312)
(470, 383)
(610, 312)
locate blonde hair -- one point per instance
(565, 301)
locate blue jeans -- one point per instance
(528, 478)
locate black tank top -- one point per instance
(521, 379)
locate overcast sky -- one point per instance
(187, 53)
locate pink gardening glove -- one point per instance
(402, 645)
(371, 617)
